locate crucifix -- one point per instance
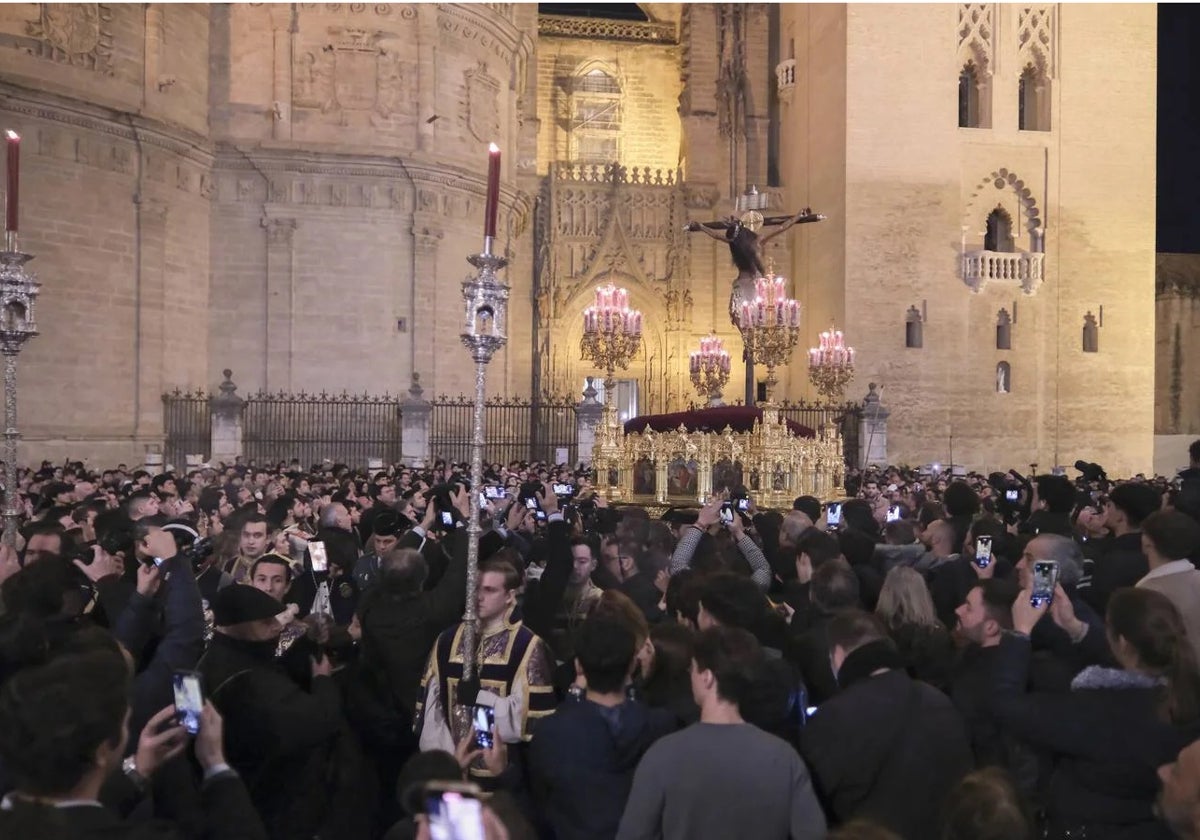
(741, 234)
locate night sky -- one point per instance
(1178, 114)
(1179, 128)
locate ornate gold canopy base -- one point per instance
(683, 467)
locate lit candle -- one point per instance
(14, 174)
(492, 207)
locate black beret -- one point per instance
(240, 603)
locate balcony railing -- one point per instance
(1017, 268)
(785, 77)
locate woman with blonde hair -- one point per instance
(906, 609)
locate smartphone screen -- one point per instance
(318, 557)
(531, 503)
(893, 513)
(483, 721)
(493, 491)
(189, 700)
(483, 499)
(1045, 578)
(1011, 495)
(564, 490)
(447, 519)
(726, 513)
(743, 505)
(833, 514)
(983, 552)
(540, 515)
(454, 816)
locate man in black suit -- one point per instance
(63, 730)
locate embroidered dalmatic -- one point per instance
(514, 674)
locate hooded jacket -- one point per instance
(582, 760)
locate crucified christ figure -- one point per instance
(746, 245)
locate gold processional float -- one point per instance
(718, 449)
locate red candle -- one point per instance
(493, 190)
(14, 173)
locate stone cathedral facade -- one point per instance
(291, 190)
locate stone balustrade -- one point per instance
(1018, 268)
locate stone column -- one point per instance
(872, 431)
(151, 295)
(280, 304)
(415, 415)
(588, 415)
(227, 414)
(282, 26)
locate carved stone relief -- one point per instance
(1035, 38)
(78, 34)
(354, 74)
(976, 34)
(482, 103)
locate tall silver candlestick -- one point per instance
(484, 333)
(18, 293)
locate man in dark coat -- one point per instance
(585, 754)
(1122, 563)
(280, 736)
(886, 748)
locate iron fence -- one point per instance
(343, 428)
(514, 429)
(187, 421)
(844, 417)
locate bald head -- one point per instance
(404, 570)
(795, 523)
(940, 538)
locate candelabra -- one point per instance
(770, 326)
(484, 333)
(18, 293)
(831, 366)
(612, 334)
(709, 369)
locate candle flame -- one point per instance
(493, 148)
(12, 135)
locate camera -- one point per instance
(198, 551)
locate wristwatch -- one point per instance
(129, 768)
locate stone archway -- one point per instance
(980, 201)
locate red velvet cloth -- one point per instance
(737, 417)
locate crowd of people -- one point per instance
(272, 651)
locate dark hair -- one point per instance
(253, 518)
(41, 589)
(929, 512)
(512, 575)
(273, 559)
(733, 600)
(734, 657)
(590, 542)
(55, 716)
(1057, 492)
(1136, 501)
(1175, 535)
(605, 648)
(834, 586)
(819, 546)
(135, 500)
(858, 516)
(900, 532)
(809, 505)
(1194, 451)
(403, 571)
(960, 499)
(998, 597)
(683, 595)
(1149, 622)
(851, 629)
(985, 805)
